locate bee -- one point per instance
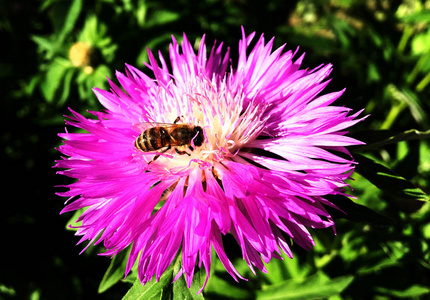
(163, 137)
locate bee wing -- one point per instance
(141, 127)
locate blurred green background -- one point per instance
(54, 52)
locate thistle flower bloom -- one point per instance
(269, 156)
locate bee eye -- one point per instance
(198, 140)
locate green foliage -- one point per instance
(315, 286)
(163, 288)
(61, 72)
(115, 272)
(380, 50)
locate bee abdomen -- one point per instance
(153, 139)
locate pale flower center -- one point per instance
(229, 122)
(228, 119)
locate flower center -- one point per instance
(228, 119)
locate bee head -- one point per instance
(199, 137)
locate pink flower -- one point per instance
(267, 159)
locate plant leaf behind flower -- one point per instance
(164, 288)
(355, 212)
(375, 139)
(152, 289)
(314, 286)
(115, 271)
(396, 187)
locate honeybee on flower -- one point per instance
(162, 137)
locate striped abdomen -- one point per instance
(153, 139)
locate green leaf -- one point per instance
(219, 288)
(91, 32)
(181, 290)
(420, 45)
(44, 44)
(392, 184)
(29, 87)
(376, 139)
(140, 12)
(155, 43)
(421, 16)
(162, 289)
(277, 270)
(70, 20)
(372, 266)
(153, 289)
(280, 270)
(53, 80)
(66, 87)
(315, 286)
(413, 291)
(71, 224)
(160, 17)
(355, 212)
(115, 271)
(6, 290)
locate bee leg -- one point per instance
(191, 148)
(154, 158)
(158, 155)
(177, 119)
(181, 152)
